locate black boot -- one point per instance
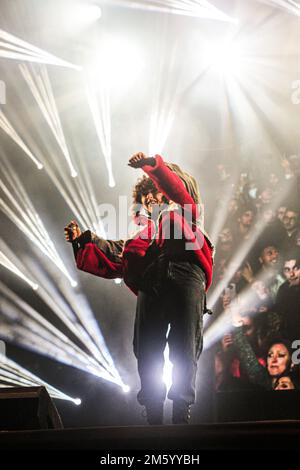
(154, 412)
(181, 412)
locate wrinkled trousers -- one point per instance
(172, 293)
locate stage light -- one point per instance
(32, 331)
(118, 281)
(290, 6)
(12, 47)
(126, 388)
(168, 366)
(165, 99)
(118, 56)
(22, 213)
(77, 401)
(12, 374)
(83, 14)
(223, 324)
(196, 9)
(9, 130)
(98, 97)
(78, 16)
(221, 214)
(39, 83)
(75, 312)
(118, 62)
(224, 57)
(10, 262)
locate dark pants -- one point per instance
(172, 292)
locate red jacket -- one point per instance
(121, 259)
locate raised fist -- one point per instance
(72, 231)
(138, 160)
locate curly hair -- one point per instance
(143, 186)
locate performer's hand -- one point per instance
(72, 231)
(138, 160)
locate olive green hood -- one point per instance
(193, 190)
(188, 180)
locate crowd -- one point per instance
(258, 260)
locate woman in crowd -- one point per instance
(278, 359)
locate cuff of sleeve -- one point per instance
(83, 239)
(155, 164)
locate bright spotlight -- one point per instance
(40, 86)
(126, 388)
(9, 129)
(225, 58)
(118, 281)
(9, 261)
(119, 62)
(168, 366)
(83, 14)
(77, 17)
(12, 374)
(15, 48)
(74, 283)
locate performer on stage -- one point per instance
(168, 265)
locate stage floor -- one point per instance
(264, 435)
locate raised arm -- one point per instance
(94, 254)
(257, 373)
(168, 182)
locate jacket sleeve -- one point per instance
(257, 373)
(98, 256)
(170, 184)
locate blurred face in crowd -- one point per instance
(284, 383)
(268, 216)
(266, 196)
(221, 269)
(247, 218)
(274, 180)
(223, 174)
(238, 274)
(260, 289)
(295, 164)
(292, 272)
(269, 257)
(226, 239)
(290, 220)
(232, 206)
(228, 295)
(278, 359)
(248, 326)
(263, 294)
(281, 213)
